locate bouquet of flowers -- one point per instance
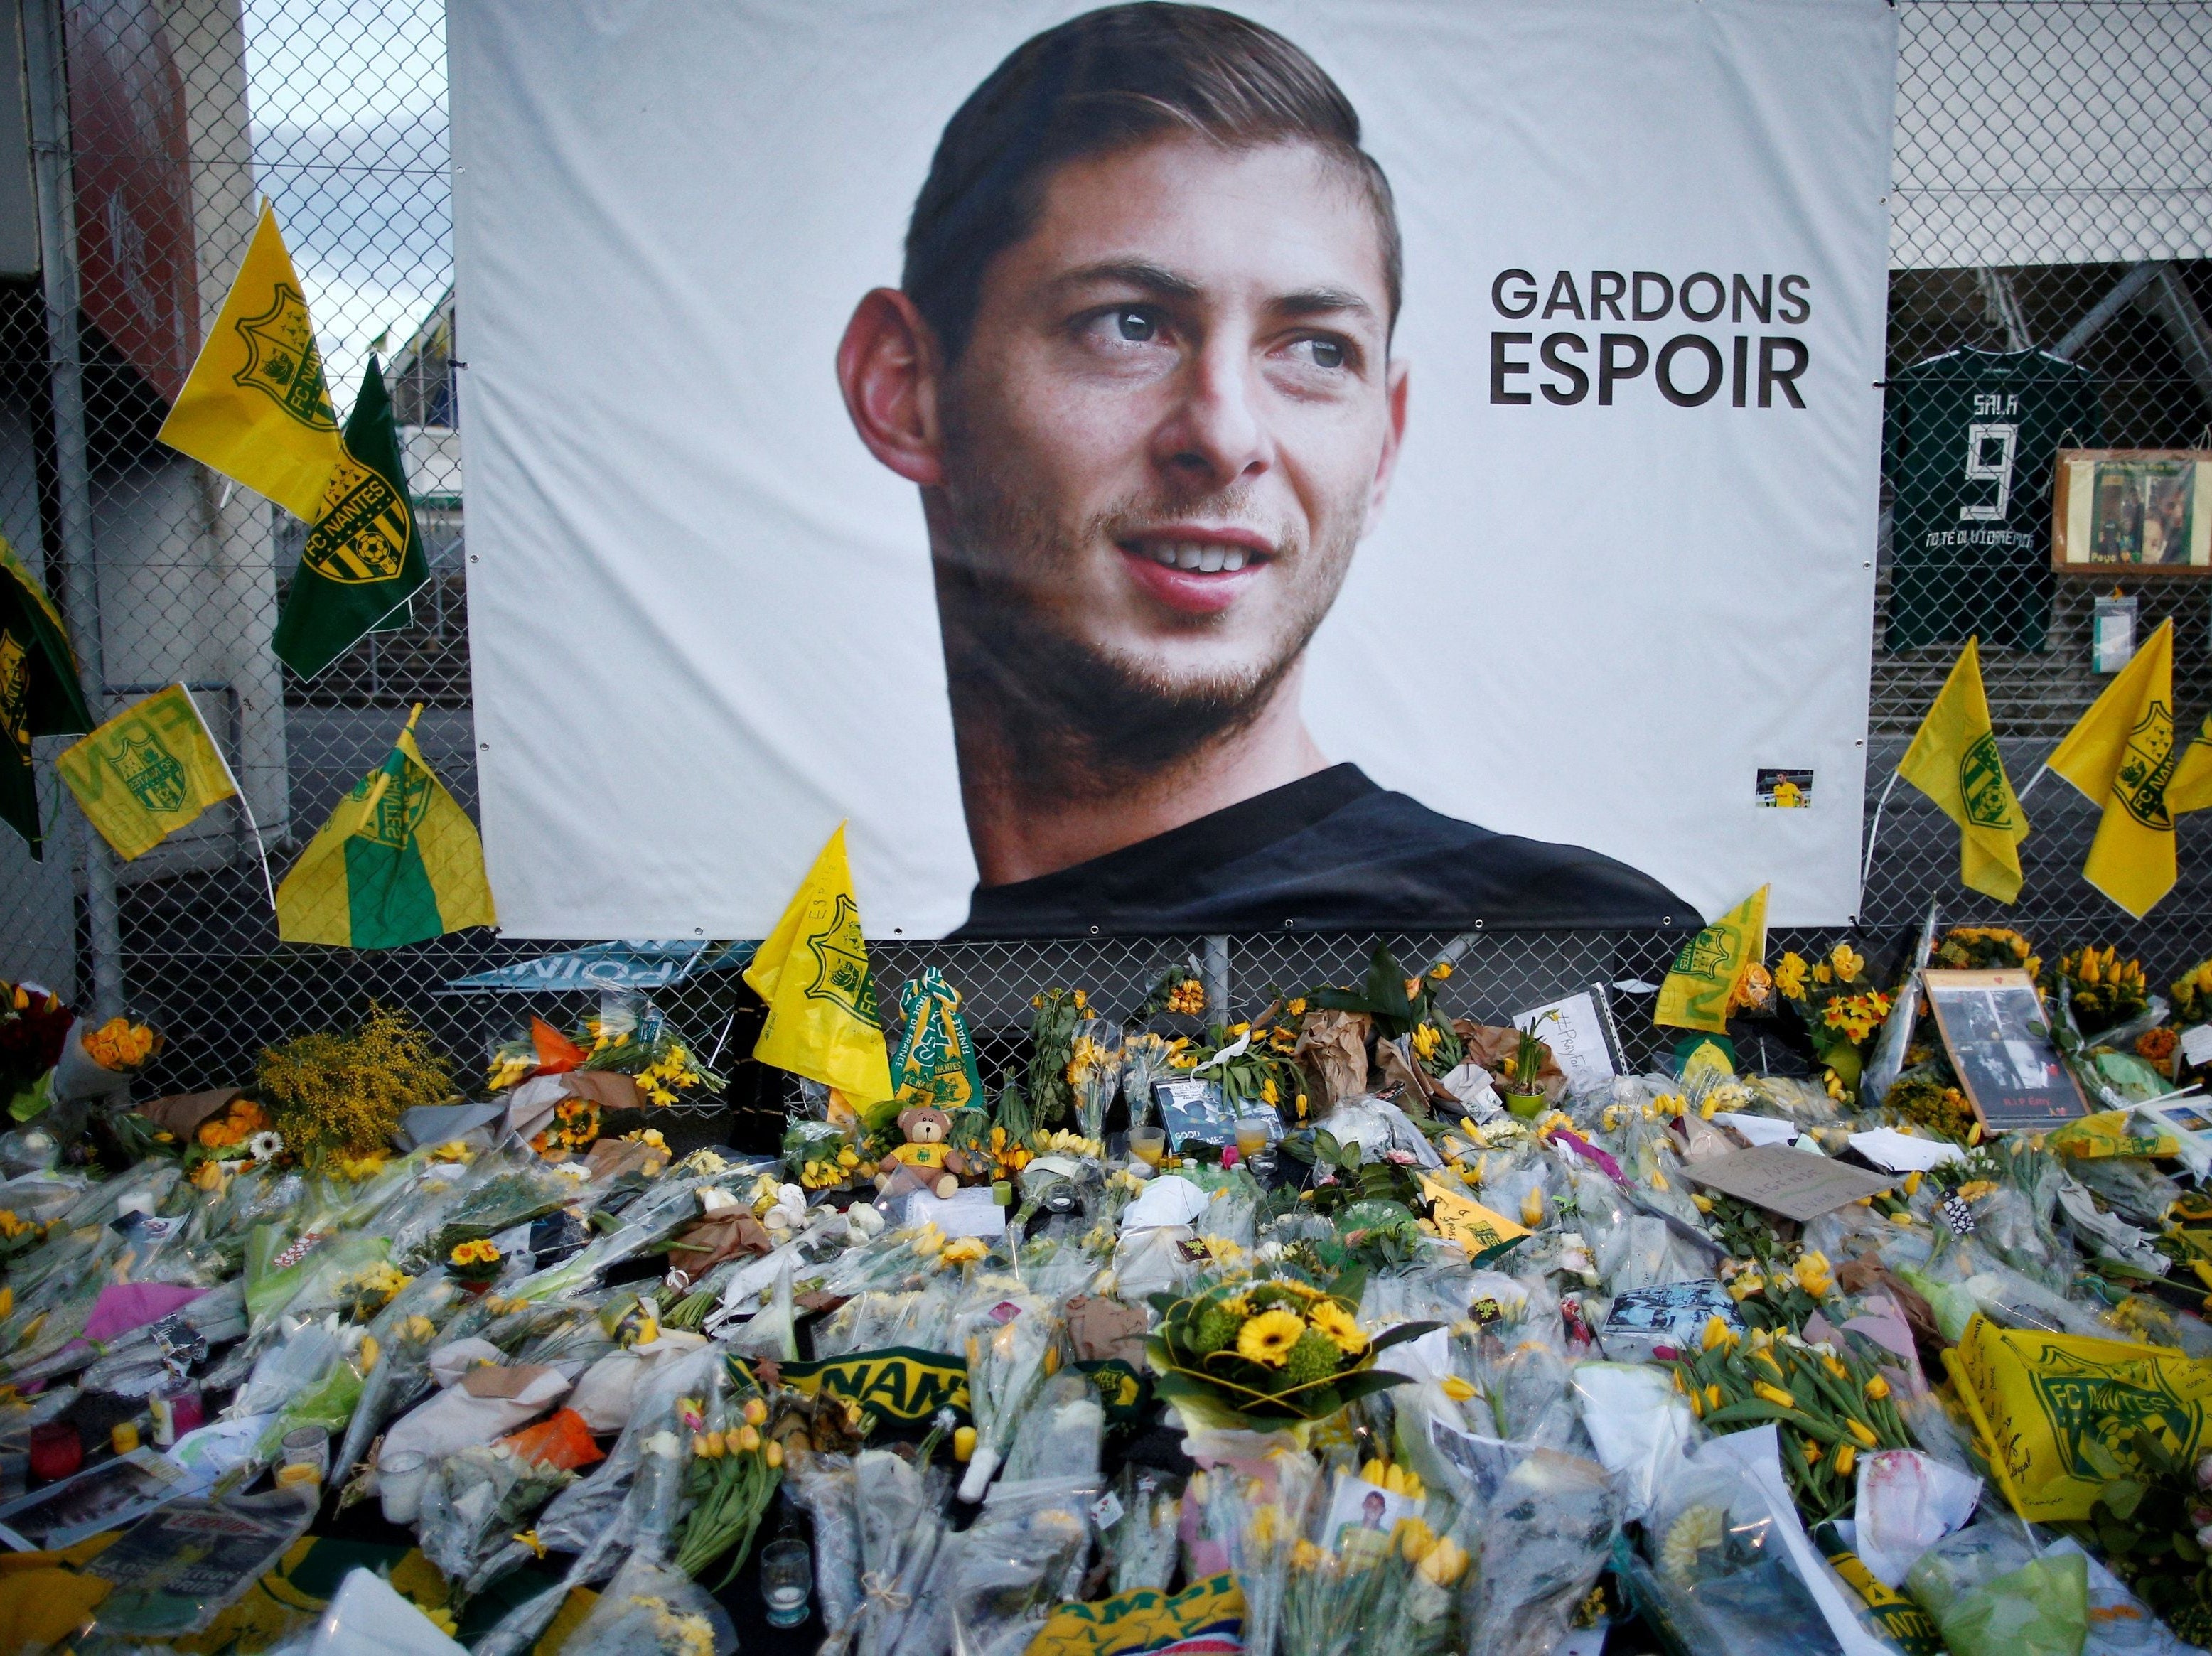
(476, 1263)
(2106, 990)
(1056, 1015)
(1985, 948)
(574, 1127)
(733, 1475)
(1009, 1339)
(1094, 1073)
(1840, 1008)
(1268, 1354)
(34, 1023)
(346, 1093)
(1830, 1403)
(476, 1500)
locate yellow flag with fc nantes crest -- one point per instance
(1953, 760)
(2122, 756)
(1705, 973)
(256, 407)
(812, 971)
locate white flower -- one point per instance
(265, 1146)
(714, 1199)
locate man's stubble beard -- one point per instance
(1076, 720)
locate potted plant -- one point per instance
(1520, 1087)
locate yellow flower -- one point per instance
(1814, 1274)
(749, 1438)
(1848, 963)
(1824, 973)
(1718, 1334)
(964, 1251)
(1333, 1320)
(1296, 1007)
(1790, 977)
(756, 1412)
(1773, 1394)
(1441, 970)
(1426, 1038)
(1266, 1339)
(1877, 1388)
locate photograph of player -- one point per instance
(1140, 367)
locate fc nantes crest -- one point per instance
(364, 530)
(1985, 793)
(364, 558)
(155, 776)
(282, 362)
(840, 962)
(2139, 785)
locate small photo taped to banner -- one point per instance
(1785, 790)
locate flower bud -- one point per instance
(756, 1411)
(749, 1438)
(775, 1452)
(963, 1444)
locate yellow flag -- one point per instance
(256, 407)
(812, 971)
(1711, 964)
(147, 772)
(2122, 756)
(1953, 760)
(2192, 786)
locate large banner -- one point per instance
(1403, 463)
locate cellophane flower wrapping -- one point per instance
(474, 1501)
(650, 1610)
(901, 1510)
(823, 1486)
(1253, 1500)
(1546, 1537)
(996, 1581)
(1061, 1434)
(1142, 1541)
(1005, 1330)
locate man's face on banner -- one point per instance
(1173, 415)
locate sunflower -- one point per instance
(1268, 1338)
(1333, 1320)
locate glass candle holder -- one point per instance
(787, 1581)
(1149, 1145)
(57, 1451)
(399, 1479)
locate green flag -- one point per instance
(363, 559)
(39, 691)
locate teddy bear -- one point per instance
(925, 1161)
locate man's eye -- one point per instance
(1326, 353)
(1139, 327)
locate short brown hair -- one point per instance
(1099, 82)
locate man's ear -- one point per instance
(1394, 394)
(887, 368)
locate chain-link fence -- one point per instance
(2053, 195)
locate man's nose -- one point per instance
(1215, 435)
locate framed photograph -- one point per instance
(1993, 1027)
(2148, 511)
(1193, 1110)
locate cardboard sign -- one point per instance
(1792, 1183)
(1994, 1026)
(1578, 1030)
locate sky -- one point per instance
(349, 141)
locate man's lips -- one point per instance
(1197, 571)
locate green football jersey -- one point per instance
(1970, 441)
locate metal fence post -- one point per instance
(46, 74)
(1216, 976)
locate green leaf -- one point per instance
(1402, 1333)
(2124, 1497)
(2100, 1459)
(1350, 1388)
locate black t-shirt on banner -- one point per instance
(1330, 852)
(1971, 442)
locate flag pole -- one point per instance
(238, 791)
(1865, 868)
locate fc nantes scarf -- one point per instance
(399, 862)
(364, 556)
(936, 1062)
